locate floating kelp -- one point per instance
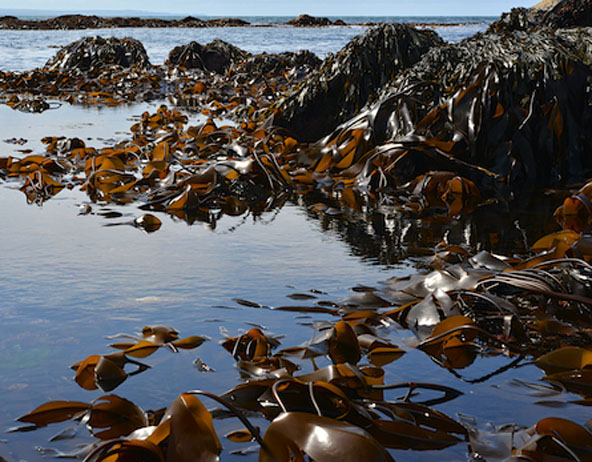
(345, 81)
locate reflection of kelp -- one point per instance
(504, 111)
(386, 236)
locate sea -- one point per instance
(27, 49)
(69, 278)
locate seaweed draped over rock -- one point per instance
(566, 13)
(264, 66)
(506, 111)
(345, 81)
(93, 53)
(217, 56)
(305, 20)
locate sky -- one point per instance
(283, 7)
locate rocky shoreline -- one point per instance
(84, 22)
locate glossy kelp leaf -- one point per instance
(192, 437)
(381, 356)
(454, 327)
(105, 372)
(159, 334)
(252, 345)
(575, 381)
(188, 343)
(55, 411)
(564, 359)
(142, 349)
(126, 451)
(148, 223)
(551, 240)
(320, 438)
(571, 433)
(343, 344)
(112, 417)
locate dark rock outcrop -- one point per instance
(345, 81)
(91, 54)
(217, 56)
(304, 20)
(79, 21)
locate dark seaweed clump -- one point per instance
(345, 81)
(216, 56)
(93, 53)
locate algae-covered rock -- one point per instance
(345, 81)
(305, 20)
(570, 13)
(518, 19)
(265, 66)
(508, 111)
(551, 14)
(94, 53)
(217, 56)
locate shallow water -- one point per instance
(66, 281)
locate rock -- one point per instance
(339, 22)
(78, 21)
(268, 66)
(91, 54)
(217, 56)
(227, 22)
(304, 20)
(345, 81)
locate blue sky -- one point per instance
(284, 7)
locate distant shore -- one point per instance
(82, 22)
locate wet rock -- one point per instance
(267, 66)
(345, 81)
(217, 56)
(91, 54)
(339, 22)
(304, 20)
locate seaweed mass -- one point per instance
(398, 120)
